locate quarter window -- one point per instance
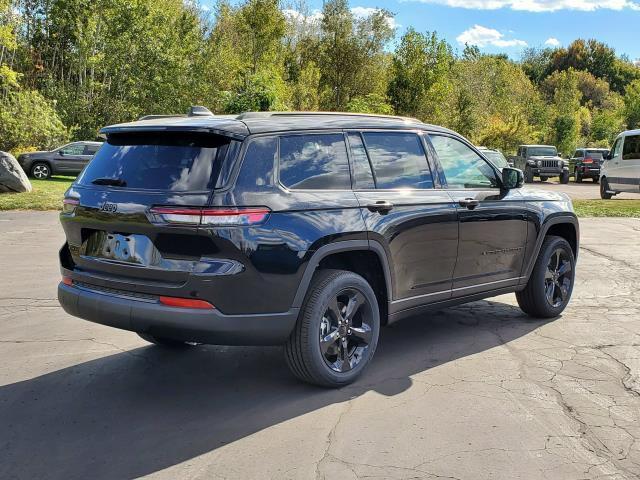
(90, 150)
(463, 168)
(631, 149)
(258, 166)
(314, 162)
(398, 160)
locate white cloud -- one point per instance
(364, 12)
(552, 42)
(316, 15)
(539, 5)
(484, 37)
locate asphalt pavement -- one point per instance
(474, 392)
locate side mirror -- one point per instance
(512, 178)
(607, 156)
(61, 153)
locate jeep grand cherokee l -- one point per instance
(306, 230)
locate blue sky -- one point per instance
(508, 26)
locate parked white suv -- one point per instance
(621, 170)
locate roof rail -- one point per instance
(151, 117)
(248, 115)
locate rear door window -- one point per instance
(631, 149)
(171, 161)
(398, 160)
(314, 162)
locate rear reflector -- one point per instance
(67, 281)
(216, 217)
(185, 303)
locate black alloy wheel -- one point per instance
(345, 331)
(558, 278)
(336, 334)
(549, 288)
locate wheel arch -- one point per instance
(565, 226)
(365, 258)
(37, 161)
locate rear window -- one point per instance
(171, 161)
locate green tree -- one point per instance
(632, 105)
(566, 105)
(350, 52)
(420, 75)
(371, 103)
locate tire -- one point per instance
(325, 305)
(543, 179)
(163, 342)
(564, 177)
(595, 179)
(578, 176)
(604, 186)
(40, 171)
(528, 175)
(549, 288)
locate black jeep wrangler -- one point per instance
(311, 230)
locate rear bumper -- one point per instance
(589, 172)
(203, 326)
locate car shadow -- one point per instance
(140, 411)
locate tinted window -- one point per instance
(398, 160)
(578, 154)
(617, 147)
(258, 166)
(631, 149)
(461, 165)
(496, 158)
(542, 152)
(73, 149)
(314, 162)
(594, 154)
(175, 161)
(90, 149)
(363, 177)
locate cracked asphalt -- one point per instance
(473, 392)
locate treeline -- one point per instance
(68, 67)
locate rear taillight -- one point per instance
(186, 303)
(69, 205)
(67, 281)
(216, 217)
(588, 160)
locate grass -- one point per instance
(607, 208)
(46, 195)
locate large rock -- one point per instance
(12, 177)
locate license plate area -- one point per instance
(122, 248)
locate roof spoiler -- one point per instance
(194, 111)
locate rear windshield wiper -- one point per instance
(114, 182)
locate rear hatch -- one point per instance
(132, 217)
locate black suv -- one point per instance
(310, 230)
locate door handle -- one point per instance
(381, 206)
(470, 203)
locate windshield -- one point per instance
(173, 161)
(496, 158)
(542, 151)
(595, 154)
